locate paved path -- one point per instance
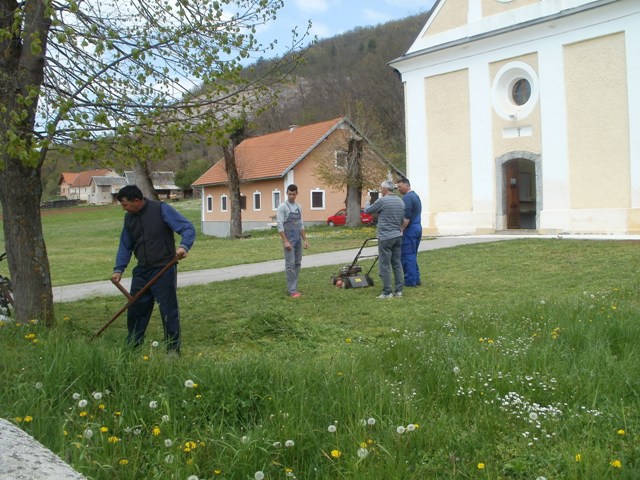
(71, 293)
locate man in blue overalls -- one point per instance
(411, 233)
(291, 229)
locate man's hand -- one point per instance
(181, 253)
(287, 245)
(305, 244)
(116, 277)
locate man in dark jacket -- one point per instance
(148, 233)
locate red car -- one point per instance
(340, 218)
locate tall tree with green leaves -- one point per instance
(74, 71)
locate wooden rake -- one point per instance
(133, 298)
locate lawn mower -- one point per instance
(351, 276)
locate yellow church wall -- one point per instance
(531, 143)
(449, 141)
(596, 86)
(453, 14)
(493, 7)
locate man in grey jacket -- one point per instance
(390, 210)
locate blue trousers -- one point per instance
(164, 291)
(292, 265)
(410, 243)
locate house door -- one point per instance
(513, 194)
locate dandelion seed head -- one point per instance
(154, 344)
(259, 475)
(168, 442)
(168, 459)
(332, 428)
(39, 386)
(456, 370)
(400, 429)
(82, 403)
(97, 395)
(189, 383)
(362, 452)
(289, 443)
(153, 404)
(371, 421)
(88, 433)
(75, 396)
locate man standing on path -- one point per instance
(390, 210)
(291, 230)
(411, 233)
(148, 233)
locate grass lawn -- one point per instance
(514, 360)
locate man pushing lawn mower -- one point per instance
(148, 233)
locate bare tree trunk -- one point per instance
(20, 193)
(235, 138)
(143, 179)
(354, 180)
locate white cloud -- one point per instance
(312, 5)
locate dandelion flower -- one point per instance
(168, 442)
(189, 383)
(154, 344)
(259, 475)
(336, 453)
(123, 461)
(88, 433)
(276, 445)
(165, 418)
(244, 440)
(363, 452)
(578, 457)
(289, 443)
(76, 396)
(97, 395)
(332, 428)
(371, 421)
(168, 459)
(621, 432)
(481, 466)
(104, 429)
(145, 358)
(39, 386)
(616, 463)
(155, 431)
(113, 439)
(82, 403)
(456, 370)
(192, 477)
(400, 429)
(153, 404)
(411, 427)
(541, 478)
(533, 416)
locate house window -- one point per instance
(341, 158)
(257, 201)
(209, 203)
(243, 202)
(223, 203)
(275, 199)
(317, 200)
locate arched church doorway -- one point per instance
(519, 191)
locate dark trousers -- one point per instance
(164, 292)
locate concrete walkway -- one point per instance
(72, 293)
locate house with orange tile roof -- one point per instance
(78, 186)
(269, 163)
(65, 181)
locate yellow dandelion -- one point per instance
(621, 432)
(102, 406)
(347, 340)
(123, 461)
(198, 396)
(363, 444)
(117, 414)
(30, 336)
(217, 472)
(481, 466)
(65, 433)
(190, 445)
(336, 453)
(190, 461)
(616, 463)
(83, 414)
(145, 358)
(578, 457)
(104, 429)
(28, 418)
(155, 431)
(18, 419)
(113, 439)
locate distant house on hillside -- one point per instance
(525, 115)
(77, 186)
(65, 181)
(267, 164)
(164, 183)
(104, 190)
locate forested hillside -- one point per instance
(343, 75)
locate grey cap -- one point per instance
(388, 184)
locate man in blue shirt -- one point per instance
(411, 233)
(148, 233)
